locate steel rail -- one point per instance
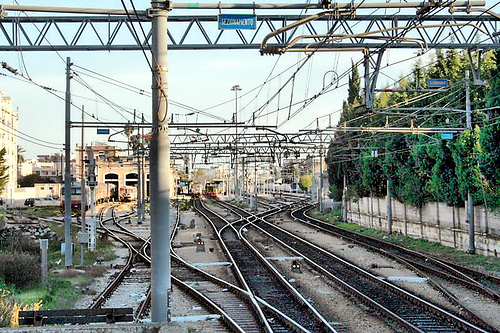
(475, 320)
(203, 299)
(237, 272)
(470, 278)
(111, 287)
(326, 325)
(460, 323)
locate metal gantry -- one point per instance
(371, 32)
(334, 27)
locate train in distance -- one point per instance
(104, 192)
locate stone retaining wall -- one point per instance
(435, 222)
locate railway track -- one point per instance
(261, 279)
(134, 252)
(409, 311)
(216, 295)
(485, 284)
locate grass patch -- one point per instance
(61, 294)
(330, 217)
(51, 211)
(240, 204)
(31, 295)
(64, 289)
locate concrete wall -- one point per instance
(435, 222)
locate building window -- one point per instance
(42, 188)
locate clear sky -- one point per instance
(199, 79)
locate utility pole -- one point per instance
(470, 203)
(255, 184)
(389, 207)
(68, 255)
(143, 174)
(321, 204)
(344, 200)
(83, 200)
(92, 185)
(160, 168)
(140, 150)
(237, 193)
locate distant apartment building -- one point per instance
(8, 140)
(47, 166)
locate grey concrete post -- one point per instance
(470, 202)
(237, 191)
(344, 200)
(143, 174)
(321, 203)
(92, 184)
(83, 195)
(44, 246)
(92, 220)
(139, 179)
(68, 256)
(160, 169)
(255, 186)
(389, 207)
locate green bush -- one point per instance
(186, 205)
(20, 243)
(61, 295)
(19, 269)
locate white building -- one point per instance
(8, 140)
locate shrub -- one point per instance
(19, 269)
(17, 242)
(186, 205)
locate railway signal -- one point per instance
(295, 267)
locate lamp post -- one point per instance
(236, 88)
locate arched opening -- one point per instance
(113, 179)
(131, 179)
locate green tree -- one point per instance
(20, 156)
(128, 130)
(305, 182)
(31, 180)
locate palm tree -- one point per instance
(20, 156)
(20, 159)
(129, 129)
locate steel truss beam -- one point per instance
(274, 144)
(190, 32)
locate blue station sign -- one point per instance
(237, 21)
(446, 136)
(103, 131)
(437, 83)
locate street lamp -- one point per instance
(236, 88)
